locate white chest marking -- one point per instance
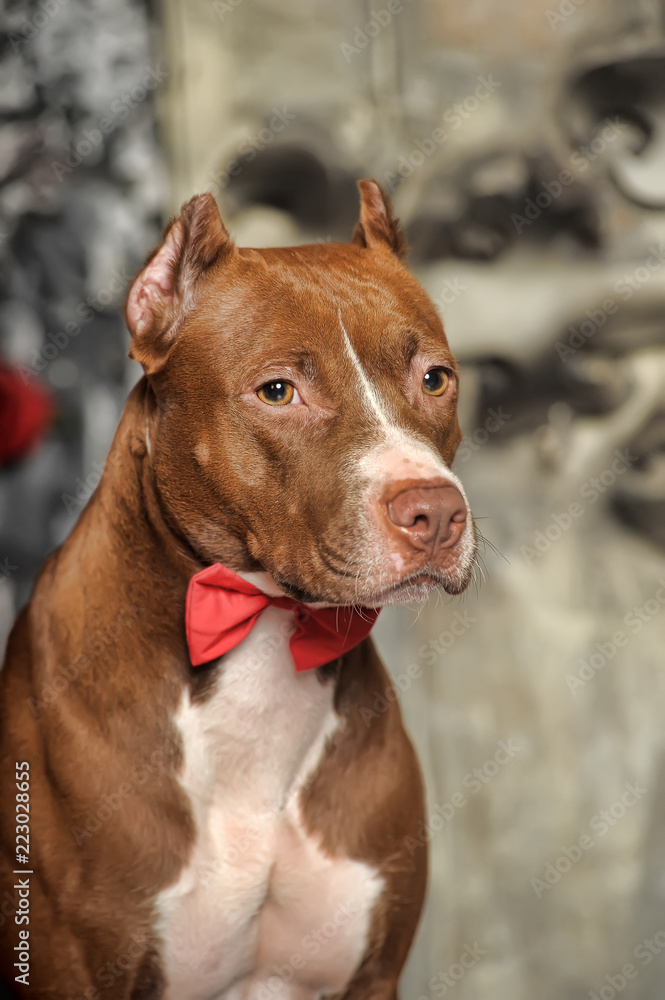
(261, 912)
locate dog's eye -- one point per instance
(435, 381)
(278, 393)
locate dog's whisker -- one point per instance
(486, 543)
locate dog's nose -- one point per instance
(432, 517)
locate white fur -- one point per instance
(261, 911)
(372, 399)
(399, 454)
(410, 459)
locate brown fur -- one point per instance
(218, 481)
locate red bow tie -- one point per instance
(222, 609)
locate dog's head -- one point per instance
(306, 409)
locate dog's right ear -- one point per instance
(377, 226)
(165, 290)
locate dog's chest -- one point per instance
(260, 910)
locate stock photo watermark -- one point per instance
(455, 117)
(378, 20)
(473, 782)
(30, 27)
(580, 160)
(383, 699)
(124, 963)
(120, 108)
(625, 287)
(450, 291)
(565, 10)
(224, 7)
(311, 944)
(248, 148)
(430, 652)
(6, 568)
(590, 492)
(85, 311)
(600, 825)
(616, 982)
(473, 442)
(634, 621)
(447, 979)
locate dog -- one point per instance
(208, 802)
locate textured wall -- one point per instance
(523, 144)
(82, 193)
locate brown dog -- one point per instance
(242, 828)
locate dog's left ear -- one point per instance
(377, 226)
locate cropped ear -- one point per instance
(164, 291)
(377, 226)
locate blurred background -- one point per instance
(523, 142)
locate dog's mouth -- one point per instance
(417, 587)
(390, 582)
(414, 587)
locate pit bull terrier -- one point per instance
(200, 796)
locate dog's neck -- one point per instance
(129, 507)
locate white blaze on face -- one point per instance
(372, 399)
(399, 454)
